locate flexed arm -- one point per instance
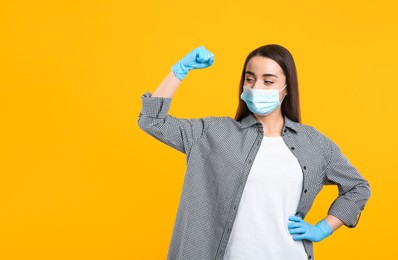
(179, 133)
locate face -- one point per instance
(265, 73)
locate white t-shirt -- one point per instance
(271, 195)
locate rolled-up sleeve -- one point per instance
(179, 133)
(354, 190)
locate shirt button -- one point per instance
(309, 257)
(292, 148)
(229, 229)
(250, 160)
(305, 191)
(305, 167)
(258, 143)
(285, 130)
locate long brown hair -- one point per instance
(291, 104)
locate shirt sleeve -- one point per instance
(354, 190)
(179, 133)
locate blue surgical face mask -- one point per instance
(261, 101)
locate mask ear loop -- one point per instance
(283, 95)
(282, 88)
(283, 98)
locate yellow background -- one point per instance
(81, 180)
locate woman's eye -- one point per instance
(268, 81)
(249, 79)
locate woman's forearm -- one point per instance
(334, 222)
(168, 86)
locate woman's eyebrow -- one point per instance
(264, 75)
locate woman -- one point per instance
(250, 181)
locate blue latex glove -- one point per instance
(307, 231)
(198, 58)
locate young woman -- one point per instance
(251, 180)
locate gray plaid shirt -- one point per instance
(219, 154)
